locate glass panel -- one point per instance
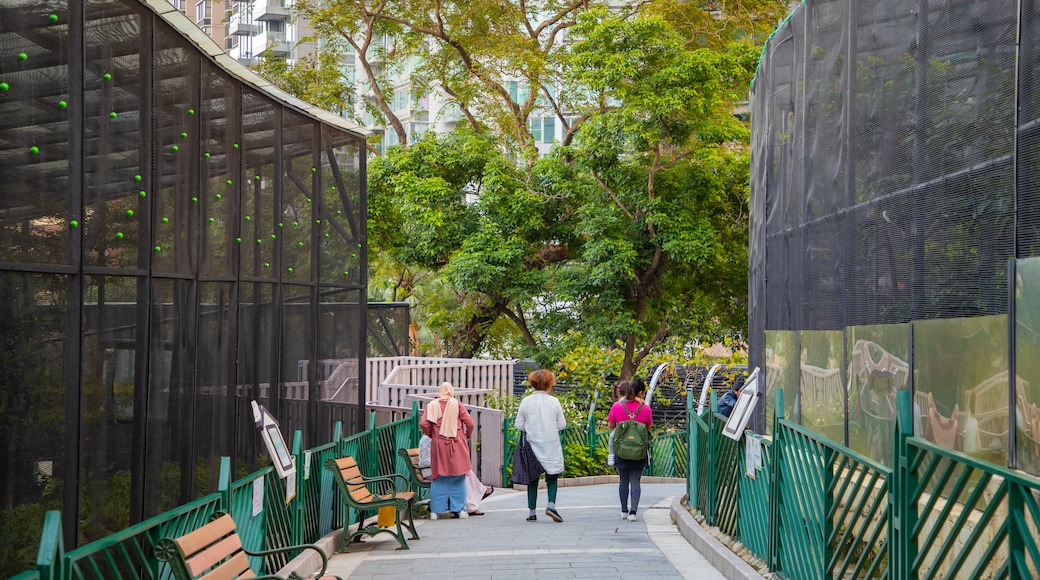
(781, 372)
(35, 205)
(1027, 364)
(170, 396)
(298, 218)
(32, 420)
(258, 118)
(338, 334)
(821, 396)
(341, 250)
(110, 354)
(118, 186)
(878, 369)
(961, 385)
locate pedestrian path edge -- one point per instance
(724, 560)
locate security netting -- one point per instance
(174, 243)
(894, 158)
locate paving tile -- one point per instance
(592, 541)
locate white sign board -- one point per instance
(258, 496)
(271, 433)
(744, 408)
(752, 454)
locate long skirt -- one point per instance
(448, 494)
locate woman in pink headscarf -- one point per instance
(447, 422)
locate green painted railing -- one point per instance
(817, 509)
(313, 513)
(669, 452)
(753, 504)
(128, 554)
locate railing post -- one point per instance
(224, 484)
(693, 431)
(416, 435)
(774, 484)
(50, 558)
(904, 516)
(372, 457)
(827, 521)
(590, 429)
(713, 466)
(1016, 543)
(296, 511)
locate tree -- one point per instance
(495, 250)
(633, 229)
(665, 164)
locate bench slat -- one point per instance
(413, 457)
(236, 567)
(205, 559)
(214, 531)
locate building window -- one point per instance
(202, 13)
(518, 92)
(399, 100)
(549, 130)
(535, 125)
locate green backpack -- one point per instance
(631, 438)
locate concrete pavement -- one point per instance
(592, 541)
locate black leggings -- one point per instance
(629, 487)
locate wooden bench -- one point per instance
(415, 475)
(353, 487)
(215, 552)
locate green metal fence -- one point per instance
(272, 522)
(669, 452)
(817, 509)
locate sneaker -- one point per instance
(532, 518)
(433, 515)
(552, 514)
(624, 515)
(632, 517)
(463, 515)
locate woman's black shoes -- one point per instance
(532, 518)
(552, 514)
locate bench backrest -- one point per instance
(207, 546)
(349, 471)
(413, 458)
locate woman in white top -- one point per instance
(540, 417)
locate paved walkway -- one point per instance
(591, 542)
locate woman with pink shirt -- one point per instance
(630, 471)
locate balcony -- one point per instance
(273, 42)
(273, 11)
(241, 26)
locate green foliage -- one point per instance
(633, 230)
(579, 462)
(316, 78)
(21, 528)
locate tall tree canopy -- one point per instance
(632, 229)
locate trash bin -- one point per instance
(386, 518)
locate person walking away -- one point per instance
(630, 471)
(540, 417)
(449, 426)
